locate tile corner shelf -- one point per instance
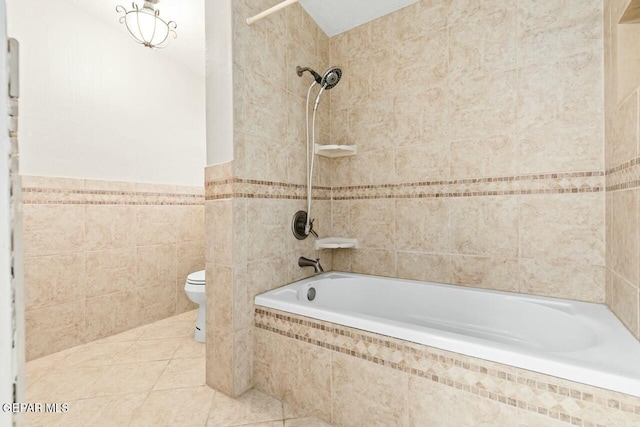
(336, 150)
(336, 243)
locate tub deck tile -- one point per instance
(546, 396)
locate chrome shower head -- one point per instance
(331, 78)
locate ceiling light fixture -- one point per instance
(145, 25)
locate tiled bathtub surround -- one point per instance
(505, 242)
(457, 89)
(480, 156)
(102, 257)
(622, 148)
(479, 128)
(351, 378)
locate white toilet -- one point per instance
(194, 288)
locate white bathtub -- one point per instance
(573, 340)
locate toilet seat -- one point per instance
(197, 278)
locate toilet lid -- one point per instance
(197, 278)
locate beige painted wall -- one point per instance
(444, 92)
(622, 85)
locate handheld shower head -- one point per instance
(331, 78)
(328, 80)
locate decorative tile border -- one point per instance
(56, 196)
(38, 190)
(249, 188)
(556, 183)
(567, 401)
(624, 176)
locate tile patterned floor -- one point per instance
(150, 376)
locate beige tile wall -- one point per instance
(453, 89)
(96, 267)
(250, 246)
(622, 151)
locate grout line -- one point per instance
(331, 389)
(519, 162)
(520, 232)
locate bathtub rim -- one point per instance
(469, 346)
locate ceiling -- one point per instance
(188, 49)
(338, 16)
(333, 16)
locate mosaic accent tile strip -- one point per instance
(556, 183)
(248, 188)
(567, 401)
(624, 176)
(63, 196)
